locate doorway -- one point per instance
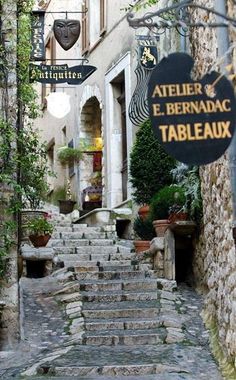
(91, 143)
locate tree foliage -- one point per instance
(23, 165)
(150, 165)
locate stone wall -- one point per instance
(215, 257)
(9, 286)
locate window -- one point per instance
(93, 23)
(71, 165)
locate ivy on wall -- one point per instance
(23, 161)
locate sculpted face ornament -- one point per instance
(66, 32)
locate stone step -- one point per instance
(110, 267)
(69, 227)
(102, 242)
(148, 284)
(124, 275)
(99, 235)
(162, 376)
(91, 260)
(97, 250)
(77, 227)
(123, 309)
(126, 338)
(165, 360)
(79, 372)
(82, 246)
(119, 296)
(123, 324)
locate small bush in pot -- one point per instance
(40, 226)
(168, 198)
(66, 155)
(40, 230)
(150, 165)
(189, 179)
(144, 228)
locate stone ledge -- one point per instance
(157, 244)
(41, 253)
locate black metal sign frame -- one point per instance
(37, 36)
(56, 74)
(177, 16)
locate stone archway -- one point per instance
(90, 171)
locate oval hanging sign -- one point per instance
(193, 120)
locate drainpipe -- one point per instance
(223, 45)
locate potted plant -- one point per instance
(67, 155)
(143, 228)
(168, 199)
(40, 230)
(188, 178)
(66, 206)
(150, 166)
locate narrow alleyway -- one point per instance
(106, 316)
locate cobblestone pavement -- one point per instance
(47, 345)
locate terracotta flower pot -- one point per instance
(141, 245)
(39, 240)
(143, 212)
(160, 226)
(178, 216)
(66, 206)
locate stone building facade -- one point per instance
(215, 258)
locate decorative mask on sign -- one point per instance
(66, 32)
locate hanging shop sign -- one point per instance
(66, 32)
(193, 120)
(37, 36)
(148, 56)
(55, 74)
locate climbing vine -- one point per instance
(23, 164)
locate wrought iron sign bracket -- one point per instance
(177, 16)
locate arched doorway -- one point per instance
(90, 173)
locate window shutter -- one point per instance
(102, 16)
(85, 28)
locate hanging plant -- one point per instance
(67, 155)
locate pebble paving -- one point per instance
(45, 333)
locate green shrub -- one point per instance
(67, 154)
(150, 165)
(188, 178)
(169, 197)
(57, 194)
(144, 229)
(39, 226)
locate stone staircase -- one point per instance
(113, 303)
(120, 320)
